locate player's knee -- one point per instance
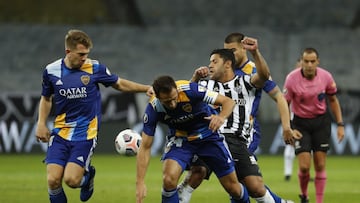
(234, 191)
(198, 173)
(72, 181)
(304, 169)
(53, 182)
(255, 186)
(169, 182)
(256, 191)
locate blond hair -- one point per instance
(75, 37)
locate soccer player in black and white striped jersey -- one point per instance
(239, 126)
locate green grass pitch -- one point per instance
(23, 179)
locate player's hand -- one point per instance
(202, 71)
(250, 44)
(150, 92)
(288, 136)
(340, 133)
(199, 73)
(42, 133)
(297, 134)
(140, 192)
(216, 122)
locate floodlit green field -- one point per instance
(23, 179)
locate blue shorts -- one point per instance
(61, 151)
(254, 144)
(211, 150)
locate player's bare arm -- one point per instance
(263, 72)
(142, 163)
(284, 112)
(42, 131)
(130, 86)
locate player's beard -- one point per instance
(215, 75)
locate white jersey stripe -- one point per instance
(240, 122)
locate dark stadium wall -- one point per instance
(18, 114)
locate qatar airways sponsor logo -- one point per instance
(181, 119)
(74, 92)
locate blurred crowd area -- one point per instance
(289, 16)
(141, 39)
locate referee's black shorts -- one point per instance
(315, 132)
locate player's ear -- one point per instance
(228, 64)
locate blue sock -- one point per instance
(57, 195)
(85, 179)
(275, 197)
(170, 196)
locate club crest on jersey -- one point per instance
(187, 108)
(238, 89)
(85, 79)
(145, 118)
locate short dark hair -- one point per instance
(226, 55)
(310, 50)
(234, 37)
(163, 84)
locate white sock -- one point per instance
(267, 198)
(289, 155)
(185, 192)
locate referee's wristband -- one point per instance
(340, 124)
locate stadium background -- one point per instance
(140, 40)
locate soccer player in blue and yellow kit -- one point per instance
(183, 107)
(72, 85)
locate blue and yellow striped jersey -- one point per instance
(187, 119)
(76, 96)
